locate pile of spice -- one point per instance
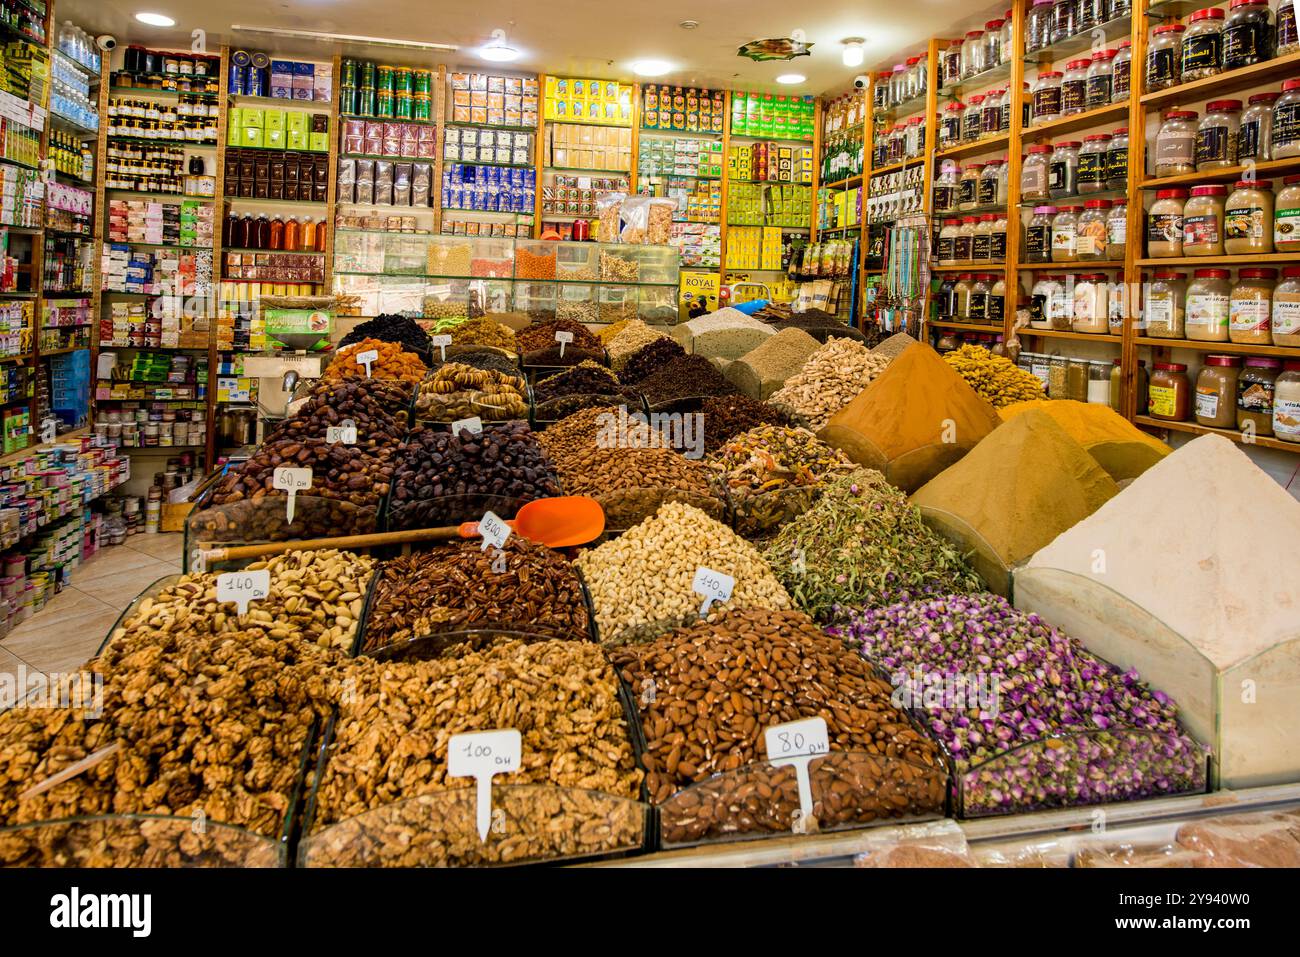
(894, 346)
(1027, 482)
(828, 381)
(458, 391)
(729, 415)
(725, 334)
(765, 369)
(650, 358)
(484, 331)
(996, 378)
(987, 679)
(1120, 447)
(916, 419)
(391, 362)
(634, 336)
(682, 378)
(862, 543)
(540, 348)
(390, 327)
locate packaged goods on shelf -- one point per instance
(159, 223)
(251, 75)
(385, 92)
(379, 138)
(171, 274)
(585, 101)
(756, 248)
(486, 99)
(147, 168)
(19, 142)
(686, 109)
(287, 175)
(274, 267)
(768, 114)
(22, 197)
(755, 204)
(679, 156)
(572, 146)
(770, 162)
(187, 120)
(168, 70)
(569, 195)
(488, 188)
(501, 147)
(26, 76)
(271, 129)
(385, 183)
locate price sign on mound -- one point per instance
(714, 586)
(797, 743)
(483, 755)
(243, 587)
(292, 481)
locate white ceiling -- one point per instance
(596, 38)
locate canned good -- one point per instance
(259, 81)
(421, 107)
(348, 73)
(348, 100)
(402, 106)
(238, 79)
(402, 79)
(261, 60)
(383, 103)
(365, 102)
(421, 81)
(367, 74)
(384, 78)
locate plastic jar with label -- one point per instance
(1090, 13)
(1058, 366)
(1091, 312)
(968, 187)
(1090, 232)
(961, 298)
(1041, 299)
(1064, 15)
(950, 125)
(1288, 36)
(950, 64)
(946, 247)
(991, 113)
(1248, 218)
(1116, 230)
(1117, 160)
(1202, 45)
(1060, 308)
(1203, 221)
(997, 309)
(1255, 390)
(972, 55)
(1076, 380)
(1250, 310)
(1101, 78)
(1164, 59)
(1038, 26)
(1165, 224)
(1176, 143)
(1063, 170)
(943, 300)
(1255, 135)
(1092, 163)
(992, 44)
(990, 191)
(1099, 382)
(1286, 308)
(980, 242)
(1164, 310)
(998, 238)
(1169, 391)
(1247, 34)
(1121, 81)
(1045, 104)
(1286, 402)
(1007, 42)
(964, 245)
(945, 188)
(1286, 121)
(1216, 392)
(1117, 308)
(1034, 173)
(1074, 87)
(1038, 235)
(1208, 304)
(1065, 225)
(918, 74)
(981, 284)
(1216, 135)
(972, 119)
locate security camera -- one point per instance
(860, 81)
(106, 42)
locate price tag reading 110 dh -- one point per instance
(367, 357)
(797, 743)
(292, 481)
(243, 587)
(714, 586)
(481, 755)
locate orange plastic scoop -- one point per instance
(554, 522)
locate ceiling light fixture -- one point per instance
(852, 54)
(497, 50)
(651, 67)
(789, 79)
(344, 38)
(155, 19)
(689, 24)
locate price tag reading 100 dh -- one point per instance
(482, 755)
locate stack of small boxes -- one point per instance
(768, 114)
(295, 80)
(22, 196)
(488, 188)
(289, 175)
(771, 162)
(240, 325)
(389, 138)
(679, 156)
(602, 102)
(256, 128)
(489, 100)
(505, 148)
(187, 224)
(570, 146)
(754, 248)
(15, 326)
(698, 244)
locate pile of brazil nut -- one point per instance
(707, 694)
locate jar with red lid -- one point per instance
(1176, 144)
(1202, 45)
(1250, 307)
(1164, 57)
(1165, 224)
(972, 55)
(1092, 163)
(1090, 233)
(950, 126)
(1101, 76)
(1035, 173)
(1169, 392)
(993, 54)
(1286, 121)
(1045, 103)
(1286, 216)
(1203, 220)
(951, 62)
(1216, 392)
(1209, 298)
(973, 119)
(1247, 34)
(1216, 135)
(1074, 87)
(1122, 78)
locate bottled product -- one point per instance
(997, 308)
(950, 127)
(1063, 170)
(1064, 234)
(972, 55)
(987, 188)
(1074, 87)
(952, 63)
(1042, 296)
(1176, 143)
(1035, 173)
(1203, 221)
(1038, 26)
(968, 187)
(918, 75)
(1003, 180)
(1123, 72)
(1247, 34)
(1091, 304)
(1216, 392)
(1038, 235)
(1076, 380)
(1168, 392)
(1093, 163)
(1216, 135)
(1208, 298)
(992, 44)
(945, 187)
(1099, 382)
(1286, 308)
(1286, 396)
(1202, 45)
(961, 298)
(1286, 121)
(1045, 104)
(1090, 236)
(1064, 14)
(980, 285)
(946, 248)
(1089, 14)
(991, 113)
(1164, 311)
(963, 250)
(980, 241)
(1250, 309)
(1117, 160)
(944, 300)
(1007, 38)
(1255, 136)
(1117, 310)
(998, 238)
(1116, 230)
(1117, 383)
(1288, 38)
(1248, 218)
(1255, 389)
(1165, 224)
(1164, 60)
(1101, 78)
(972, 120)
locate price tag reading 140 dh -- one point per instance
(714, 586)
(481, 755)
(797, 743)
(292, 481)
(243, 587)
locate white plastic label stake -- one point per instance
(797, 743)
(243, 587)
(367, 357)
(481, 755)
(494, 531)
(563, 338)
(441, 343)
(473, 425)
(292, 481)
(343, 434)
(714, 586)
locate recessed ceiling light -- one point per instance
(651, 67)
(791, 78)
(689, 24)
(155, 19)
(852, 52)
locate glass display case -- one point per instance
(596, 282)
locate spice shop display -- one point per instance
(831, 378)
(685, 377)
(766, 368)
(1119, 447)
(995, 378)
(725, 334)
(487, 99)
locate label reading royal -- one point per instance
(563, 338)
(441, 343)
(293, 481)
(797, 743)
(344, 433)
(473, 425)
(714, 586)
(494, 530)
(243, 587)
(366, 358)
(482, 755)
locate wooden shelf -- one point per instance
(895, 167)
(1235, 434)
(1188, 262)
(970, 326)
(1082, 42)
(844, 183)
(1100, 266)
(1224, 348)
(1277, 69)
(1229, 174)
(1076, 336)
(1102, 115)
(971, 267)
(986, 145)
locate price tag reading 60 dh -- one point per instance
(714, 586)
(292, 481)
(482, 755)
(243, 587)
(797, 743)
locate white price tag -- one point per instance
(367, 357)
(494, 530)
(243, 587)
(714, 586)
(343, 434)
(482, 755)
(797, 743)
(441, 343)
(292, 481)
(563, 338)
(473, 425)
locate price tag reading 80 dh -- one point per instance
(345, 433)
(243, 587)
(292, 481)
(797, 743)
(482, 755)
(714, 586)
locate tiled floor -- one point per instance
(69, 629)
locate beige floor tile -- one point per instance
(165, 546)
(111, 561)
(63, 646)
(69, 603)
(14, 672)
(118, 590)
